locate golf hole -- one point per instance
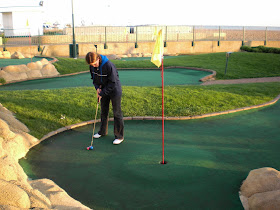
(163, 162)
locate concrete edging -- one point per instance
(69, 127)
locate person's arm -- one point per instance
(91, 69)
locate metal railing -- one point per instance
(136, 34)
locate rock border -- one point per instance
(17, 191)
(33, 78)
(261, 189)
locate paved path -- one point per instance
(237, 81)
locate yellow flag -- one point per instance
(158, 50)
(156, 31)
(27, 23)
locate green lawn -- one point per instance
(43, 110)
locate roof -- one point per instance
(20, 5)
(20, 9)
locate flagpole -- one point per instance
(157, 59)
(162, 84)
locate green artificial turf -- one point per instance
(43, 110)
(207, 160)
(240, 64)
(128, 77)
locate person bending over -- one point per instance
(107, 84)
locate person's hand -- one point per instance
(98, 96)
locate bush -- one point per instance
(246, 48)
(2, 81)
(261, 49)
(53, 32)
(270, 49)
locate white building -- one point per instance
(22, 18)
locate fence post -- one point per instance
(74, 40)
(265, 41)
(4, 41)
(39, 41)
(165, 44)
(243, 42)
(105, 44)
(193, 35)
(219, 36)
(136, 44)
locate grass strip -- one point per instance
(46, 110)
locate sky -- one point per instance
(158, 12)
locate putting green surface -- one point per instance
(139, 77)
(145, 58)
(207, 161)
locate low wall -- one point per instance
(172, 48)
(24, 49)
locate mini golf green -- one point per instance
(140, 77)
(207, 161)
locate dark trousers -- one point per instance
(118, 116)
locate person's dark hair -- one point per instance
(92, 57)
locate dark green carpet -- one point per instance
(207, 161)
(127, 77)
